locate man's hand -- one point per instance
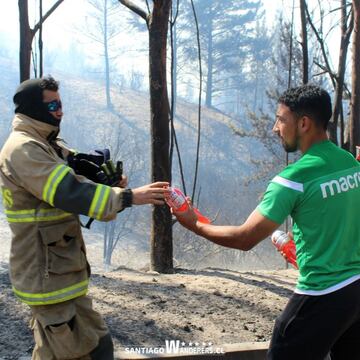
(291, 236)
(123, 183)
(150, 194)
(187, 218)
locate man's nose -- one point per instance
(275, 128)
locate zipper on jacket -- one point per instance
(46, 274)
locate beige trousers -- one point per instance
(68, 330)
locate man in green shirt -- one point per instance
(321, 192)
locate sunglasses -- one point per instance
(54, 105)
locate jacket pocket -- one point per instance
(63, 248)
(60, 328)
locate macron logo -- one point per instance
(343, 184)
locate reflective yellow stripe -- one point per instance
(53, 297)
(99, 201)
(33, 215)
(53, 182)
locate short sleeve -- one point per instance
(278, 202)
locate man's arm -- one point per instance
(49, 179)
(243, 237)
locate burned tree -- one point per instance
(27, 35)
(157, 20)
(337, 77)
(355, 98)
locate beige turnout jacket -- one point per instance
(42, 198)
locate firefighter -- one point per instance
(42, 197)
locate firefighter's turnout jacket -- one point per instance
(42, 198)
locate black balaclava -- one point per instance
(28, 100)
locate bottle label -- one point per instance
(175, 199)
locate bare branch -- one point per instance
(136, 9)
(351, 25)
(199, 104)
(326, 70)
(148, 6)
(173, 21)
(322, 47)
(49, 12)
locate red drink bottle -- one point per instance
(177, 201)
(286, 245)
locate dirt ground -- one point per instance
(145, 308)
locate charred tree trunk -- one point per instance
(26, 38)
(161, 228)
(161, 234)
(106, 57)
(41, 54)
(27, 35)
(304, 43)
(346, 31)
(355, 98)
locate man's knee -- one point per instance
(104, 350)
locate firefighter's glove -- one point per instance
(112, 172)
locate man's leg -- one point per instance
(105, 349)
(347, 347)
(70, 330)
(310, 325)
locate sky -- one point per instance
(71, 12)
(60, 29)
(63, 30)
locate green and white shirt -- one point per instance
(321, 192)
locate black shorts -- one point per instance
(311, 327)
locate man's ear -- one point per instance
(305, 124)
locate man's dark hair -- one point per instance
(49, 83)
(309, 100)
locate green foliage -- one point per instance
(228, 38)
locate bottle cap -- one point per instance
(279, 238)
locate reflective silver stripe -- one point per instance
(53, 182)
(33, 215)
(53, 297)
(288, 183)
(98, 203)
